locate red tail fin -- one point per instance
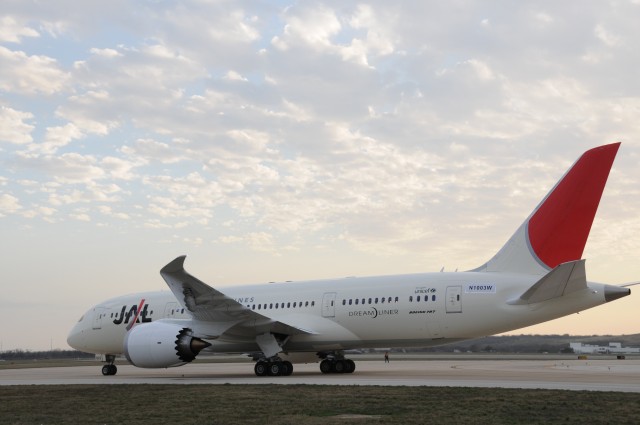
(557, 230)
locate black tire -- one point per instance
(113, 369)
(287, 368)
(350, 366)
(326, 366)
(106, 370)
(260, 369)
(274, 369)
(339, 366)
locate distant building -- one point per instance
(612, 348)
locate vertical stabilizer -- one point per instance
(557, 230)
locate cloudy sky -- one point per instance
(289, 140)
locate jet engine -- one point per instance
(161, 345)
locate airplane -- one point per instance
(538, 275)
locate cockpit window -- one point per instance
(82, 317)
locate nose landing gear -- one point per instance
(110, 368)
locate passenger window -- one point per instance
(313, 303)
(433, 297)
(376, 300)
(306, 304)
(350, 300)
(344, 302)
(410, 298)
(276, 306)
(390, 299)
(369, 300)
(258, 306)
(270, 306)
(288, 305)
(418, 298)
(357, 301)
(382, 300)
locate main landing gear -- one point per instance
(273, 367)
(337, 366)
(110, 368)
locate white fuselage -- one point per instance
(416, 310)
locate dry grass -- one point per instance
(308, 404)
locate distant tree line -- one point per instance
(530, 343)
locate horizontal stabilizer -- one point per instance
(564, 279)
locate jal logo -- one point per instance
(125, 316)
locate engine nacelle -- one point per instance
(161, 345)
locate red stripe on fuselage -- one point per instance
(135, 319)
(559, 228)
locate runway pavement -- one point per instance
(595, 375)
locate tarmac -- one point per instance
(591, 375)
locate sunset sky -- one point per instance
(284, 140)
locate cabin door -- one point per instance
(454, 299)
(328, 304)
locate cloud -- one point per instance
(314, 119)
(13, 128)
(57, 137)
(24, 74)
(319, 28)
(12, 31)
(9, 204)
(152, 150)
(68, 168)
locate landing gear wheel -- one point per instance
(274, 369)
(326, 366)
(260, 369)
(287, 368)
(109, 369)
(350, 366)
(339, 366)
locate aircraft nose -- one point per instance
(75, 339)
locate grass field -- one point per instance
(309, 404)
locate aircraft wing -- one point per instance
(207, 304)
